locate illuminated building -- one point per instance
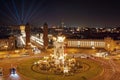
(108, 43)
(85, 43)
(7, 43)
(22, 28)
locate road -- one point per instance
(8, 63)
(111, 69)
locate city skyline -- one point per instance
(72, 13)
(59, 40)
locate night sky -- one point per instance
(72, 12)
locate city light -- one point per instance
(59, 40)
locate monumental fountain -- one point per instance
(57, 62)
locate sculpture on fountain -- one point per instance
(57, 63)
(59, 50)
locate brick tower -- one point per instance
(45, 35)
(27, 31)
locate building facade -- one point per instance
(85, 43)
(108, 43)
(7, 43)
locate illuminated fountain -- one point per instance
(58, 62)
(59, 50)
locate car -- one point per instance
(1, 71)
(12, 70)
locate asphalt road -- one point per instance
(111, 69)
(8, 63)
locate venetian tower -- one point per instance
(27, 31)
(45, 35)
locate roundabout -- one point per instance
(58, 63)
(59, 66)
(89, 70)
(48, 67)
